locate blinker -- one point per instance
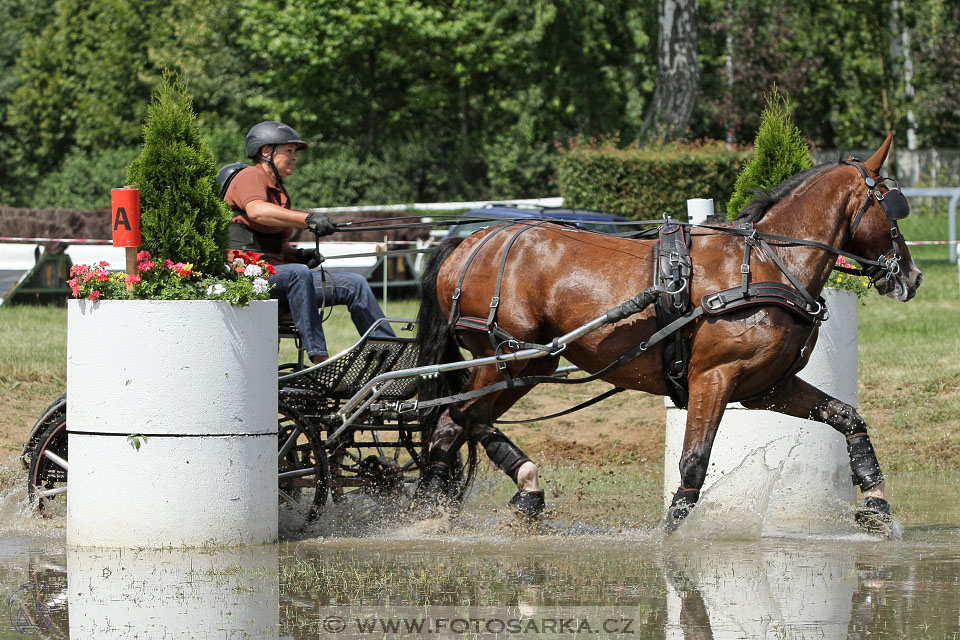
(894, 204)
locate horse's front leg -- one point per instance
(709, 394)
(798, 398)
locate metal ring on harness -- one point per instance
(672, 292)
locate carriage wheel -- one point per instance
(303, 473)
(47, 477)
(54, 410)
(371, 464)
(386, 465)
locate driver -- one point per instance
(264, 222)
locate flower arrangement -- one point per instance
(860, 285)
(244, 279)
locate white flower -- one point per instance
(260, 285)
(253, 271)
(238, 262)
(215, 290)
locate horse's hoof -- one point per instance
(528, 503)
(675, 515)
(873, 516)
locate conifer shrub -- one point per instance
(779, 152)
(182, 217)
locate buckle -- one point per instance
(456, 294)
(494, 302)
(713, 302)
(744, 268)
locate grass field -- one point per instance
(909, 363)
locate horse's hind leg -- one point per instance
(474, 419)
(800, 399)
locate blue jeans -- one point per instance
(303, 290)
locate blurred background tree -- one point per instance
(450, 99)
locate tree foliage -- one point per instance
(449, 99)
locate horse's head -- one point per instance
(874, 233)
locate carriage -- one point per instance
(729, 314)
(377, 455)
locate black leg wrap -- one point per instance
(435, 479)
(863, 461)
(503, 452)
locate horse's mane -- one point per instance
(766, 198)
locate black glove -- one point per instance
(320, 225)
(310, 257)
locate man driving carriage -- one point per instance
(265, 222)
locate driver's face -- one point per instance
(284, 158)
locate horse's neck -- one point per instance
(806, 216)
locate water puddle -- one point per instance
(484, 574)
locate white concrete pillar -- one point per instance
(771, 473)
(198, 379)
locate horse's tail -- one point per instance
(434, 338)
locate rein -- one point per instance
(795, 298)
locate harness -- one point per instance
(671, 292)
(671, 274)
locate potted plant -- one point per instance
(171, 371)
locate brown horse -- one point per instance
(548, 280)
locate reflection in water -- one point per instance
(698, 584)
(638, 585)
(173, 593)
(759, 592)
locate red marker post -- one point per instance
(125, 209)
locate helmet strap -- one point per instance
(269, 159)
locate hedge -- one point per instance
(644, 183)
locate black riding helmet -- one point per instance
(272, 134)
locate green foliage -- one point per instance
(461, 99)
(779, 152)
(182, 218)
(84, 182)
(644, 183)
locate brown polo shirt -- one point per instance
(249, 185)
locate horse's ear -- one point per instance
(876, 160)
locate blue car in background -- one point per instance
(592, 220)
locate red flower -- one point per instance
(133, 279)
(143, 256)
(94, 295)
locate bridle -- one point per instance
(895, 207)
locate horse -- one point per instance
(519, 284)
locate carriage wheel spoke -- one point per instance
(297, 473)
(52, 492)
(290, 441)
(376, 439)
(57, 460)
